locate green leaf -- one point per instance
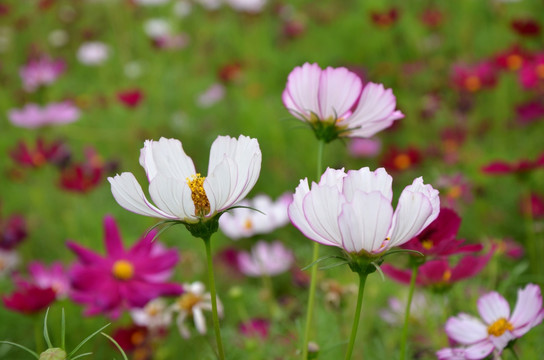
(81, 355)
(45, 332)
(63, 330)
(322, 259)
(21, 347)
(87, 339)
(117, 345)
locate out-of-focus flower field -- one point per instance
(84, 83)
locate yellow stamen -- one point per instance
(137, 338)
(123, 270)
(540, 71)
(447, 275)
(202, 204)
(499, 327)
(402, 161)
(473, 83)
(454, 192)
(187, 301)
(427, 244)
(514, 61)
(248, 224)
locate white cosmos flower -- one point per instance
(266, 259)
(178, 191)
(353, 211)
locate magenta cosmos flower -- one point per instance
(123, 278)
(182, 194)
(335, 103)
(353, 211)
(499, 326)
(42, 71)
(33, 116)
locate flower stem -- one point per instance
(362, 281)
(513, 352)
(407, 312)
(313, 274)
(211, 281)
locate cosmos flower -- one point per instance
(255, 328)
(335, 103)
(33, 116)
(179, 192)
(155, 315)
(12, 231)
(84, 176)
(518, 167)
(532, 205)
(54, 277)
(93, 53)
(42, 71)
(531, 76)
(249, 6)
(192, 303)
(123, 278)
(473, 77)
(360, 147)
(265, 259)
(396, 159)
(210, 96)
(530, 112)
(130, 98)
(353, 211)
(29, 298)
(497, 326)
(512, 59)
(55, 152)
(244, 222)
(385, 19)
(525, 26)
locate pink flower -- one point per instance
(55, 152)
(353, 211)
(533, 206)
(123, 278)
(255, 328)
(212, 95)
(335, 103)
(86, 175)
(34, 116)
(396, 159)
(474, 77)
(518, 167)
(530, 112)
(42, 71)
(29, 298)
(532, 74)
(512, 59)
(499, 326)
(266, 259)
(54, 277)
(12, 231)
(359, 147)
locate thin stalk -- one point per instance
(211, 281)
(362, 281)
(513, 352)
(531, 241)
(407, 312)
(313, 274)
(38, 334)
(267, 284)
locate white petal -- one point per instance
(466, 329)
(479, 351)
(219, 184)
(500, 342)
(129, 194)
(301, 92)
(364, 223)
(429, 192)
(492, 307)
(170, 159)
(368, 181)
(321, 208)
(200, 321)
(339, 89)
(147, 161)
(528, 308)
(173, 197)
(333, 177)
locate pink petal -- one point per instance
(465, 329)
(492, 307)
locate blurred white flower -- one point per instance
(133, 70)
(157, 27)
(182, 8)
(8, 261)
(156, 315)
(151, 2)
(5, 38)
(210, 4)
(58, 38)
(192, 303)
(251, 6)
(265, 259)
(93, 53)
(211, 95)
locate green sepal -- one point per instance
(204, 229)
(53, 354)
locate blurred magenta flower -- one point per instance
(55, 152)
(268, 259)
(134, 339)
(513, 58)
(531, 76)
(85, 176)
(473, 77)
(41, 71)
(530, 112)
(353, 211)
(533, 205)
(171, 41)
(499, 327)
(33, 116)
(29, 298)
(432, 18)
(439, 238)
(439, 274)
(245, 222)
(509, 247)
(526, 26)
(54, 277)
(519, 167)
(130, 98)
(360, 147)
(12, 231)
(123, 278)
(255, 328)
(335, 103)
(455, 189)
(386, 18)
(93, 53)
(396, 159)
(179, 191)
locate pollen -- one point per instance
(455, 192)
(248, 224)
(427, 244)
(514, 61)
(188, 301)
(402, 161)
(123, 270)
(499, 327)
(447, 275)
(198, 194)
(473, 83)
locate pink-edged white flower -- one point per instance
(192, 303)
(210, 96)
(179, 192)
(38, 72)
(93, 53)
(353, 210)
(335, 102)
(245, 222)
(499, 326)
(155, 315)
(265, 259)
(33, 116)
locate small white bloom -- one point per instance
(58, 38)
(151, 2)
(250, 6)
(155, 28)
(266, 259)
(156, 315)
(93, 53)
(182, 8)
(210, 96)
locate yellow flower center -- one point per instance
(455, 191)
(447, 275)
(187, 301)
(153, 310)
(202, 204)
(540, 71)
(137, 338)
(123, 270)
(514, 61)
(499, 327)
(248, 224)
(402, 161)
(473, 83)
(427, 244)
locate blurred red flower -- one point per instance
(518, 167)
(396, 159)
(533, 206)
(512, 59)
(473, 77)
(531, 74)
(386, 18)
(85, 176)
(41, 153)
(29, 298)
(530, 112)
(432, 18)
(12, 231)
(525, 27)
(130, 98)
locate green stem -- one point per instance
(38, 334)
(407, 312)
(267, 283)
(513, 352)
(313, 274)
(531, 242)
(211, 281)
(362, 280)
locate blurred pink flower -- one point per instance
(29, 298)
(499, 327)
(531, 75)
(87, 175)
(533, 206)
(265, 259)
(41, 71)
(244, 222)
(256, 328)
(454, 189)
(473, 77)
(513, 58)
(530, 112)
(130, 98)
(54, 277)
(518, 167)
(212, 95)
(12, 231)
(509, 247)
(353, 211)
(335, 103)
(41, 153)
(33, 116)
(360, 147)
(123, 278)
(93, 53)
